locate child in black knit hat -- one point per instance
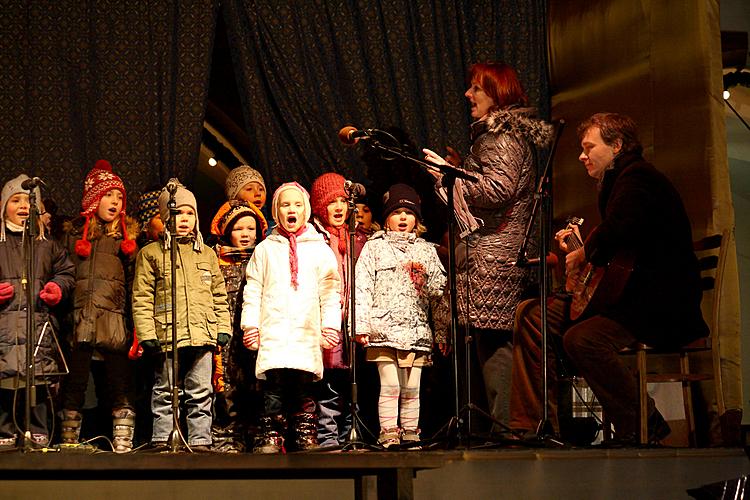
(399, 279)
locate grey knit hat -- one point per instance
(239, 178)
(182, 197)
(10, 188)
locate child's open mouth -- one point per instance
(291, 219)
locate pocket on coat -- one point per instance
(380, 320)
(204, 273)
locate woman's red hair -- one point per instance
(499, 81)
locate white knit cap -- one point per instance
(10, 188)
(240, 177)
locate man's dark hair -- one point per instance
(613, 126)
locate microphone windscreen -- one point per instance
(345, 135)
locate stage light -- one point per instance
(212, 161)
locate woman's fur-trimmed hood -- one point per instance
(517, 121)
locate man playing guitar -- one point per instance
(644, 225)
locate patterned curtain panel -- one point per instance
(306, 69)
(84, 80)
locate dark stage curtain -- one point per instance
(305, 69)
(84, 80)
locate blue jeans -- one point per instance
(195, 392)
(334, 417)
(495, 354)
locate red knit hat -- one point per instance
(99, 181)
(325, 189)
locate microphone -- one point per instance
(350, 135)
(31, 184)
(551, 261)
(172, 185)
(354, 189)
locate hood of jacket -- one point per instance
(516, 121)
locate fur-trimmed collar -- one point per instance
(516, 120)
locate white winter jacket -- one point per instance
(399, 278)
(291, 321)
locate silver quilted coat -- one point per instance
(503, 156)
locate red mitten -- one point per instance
(6, 292)
(51, 294)
(329, 339)
(136, 350)
(251, 338)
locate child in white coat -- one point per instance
(291, 309)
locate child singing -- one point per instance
(100, 246)
(292, 308)
(240, 226)
(202, 319)
(399, 277)
(53, 279)
(330, 208)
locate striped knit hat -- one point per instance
(148, 207)
(233, 210)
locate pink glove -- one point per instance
(362, 338)
(6, 292)
(251, 338)
(51, 294)
(329, 339)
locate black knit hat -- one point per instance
(401, 196)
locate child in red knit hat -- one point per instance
(103, 253)
(330, 206)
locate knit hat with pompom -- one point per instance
(99, 181)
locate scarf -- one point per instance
(342, 232)
(230, 255)
(293, 261)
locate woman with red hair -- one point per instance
(505, 138)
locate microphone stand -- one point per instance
(354, 439)
(542, 198)
(31, 232)
(175, 436)
(450, 174)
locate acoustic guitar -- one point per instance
(595, 287)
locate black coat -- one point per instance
(643, 213)
(52, 264)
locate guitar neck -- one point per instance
(573, 241)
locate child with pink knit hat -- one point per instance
(103, 252)
(291, 309)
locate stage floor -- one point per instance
(457, 474)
